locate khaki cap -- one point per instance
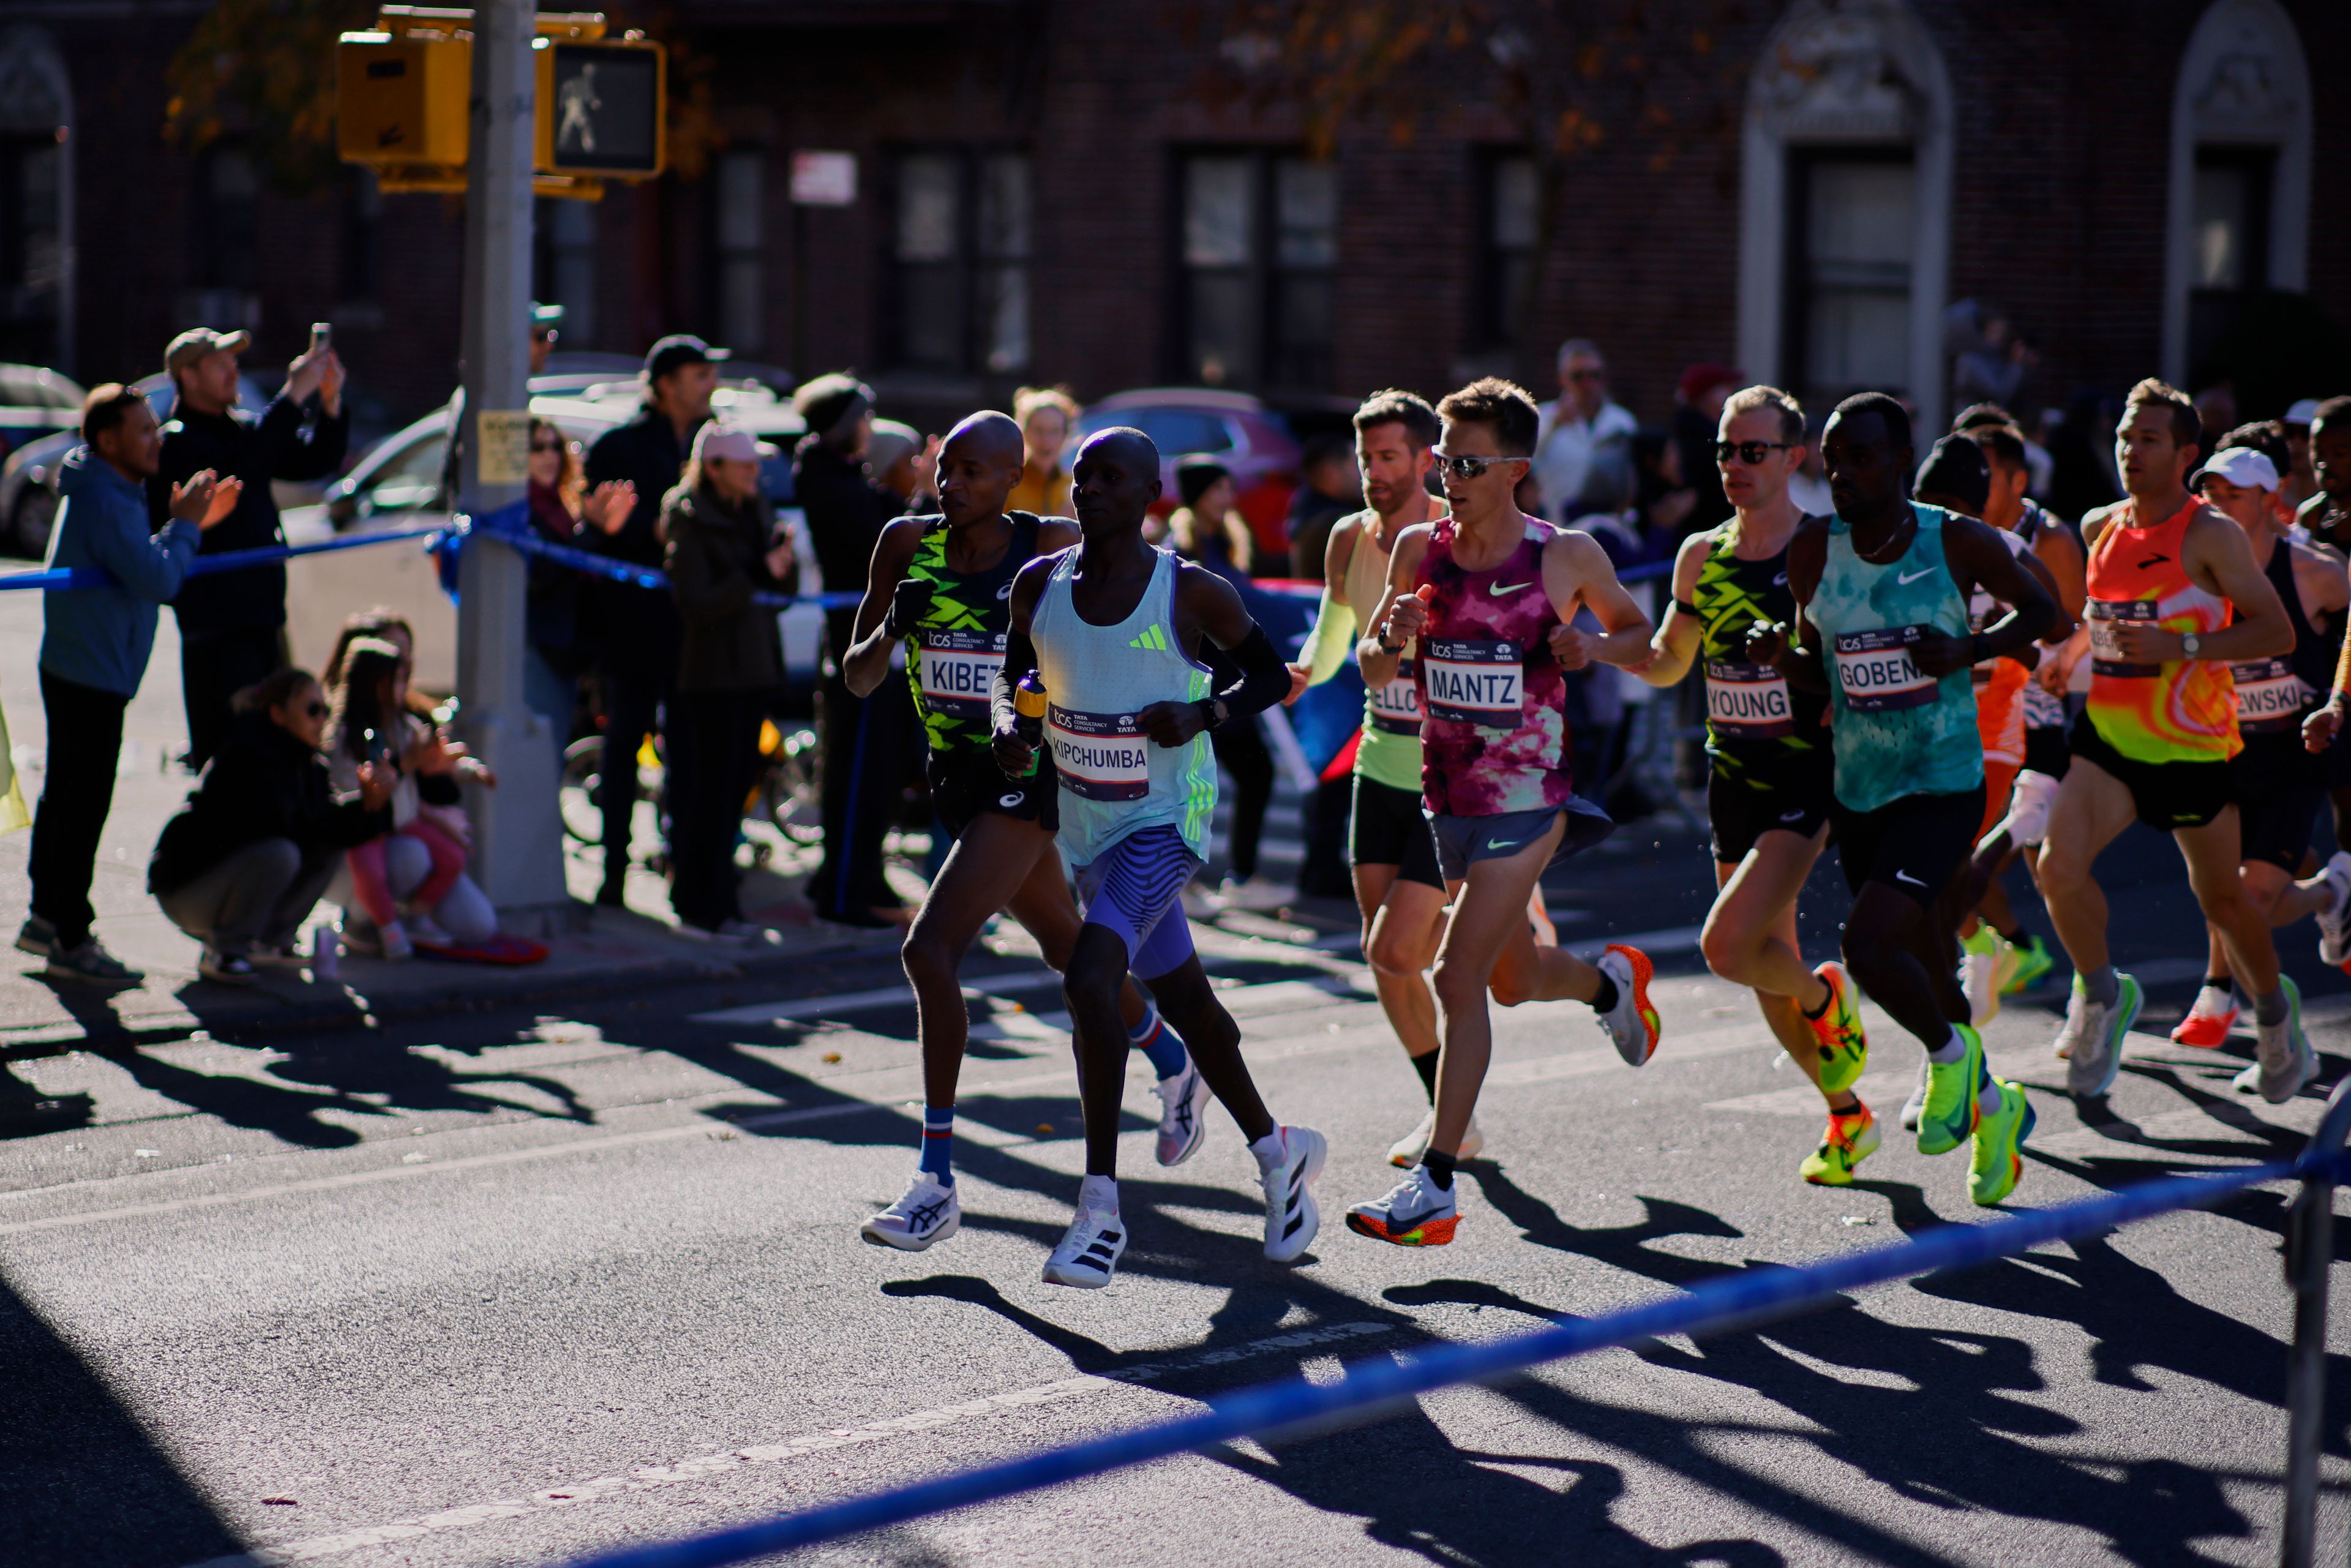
(197, 341)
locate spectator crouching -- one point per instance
(264, 831)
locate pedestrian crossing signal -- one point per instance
(600, 108)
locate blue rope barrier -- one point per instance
(205, 565)
(1297, 1406)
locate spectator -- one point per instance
(546, 322)
(407, 882)
(1206, 530)
(1204, 527)
(1582, 431)
(1047, 415)
(1331, 490)
(233, 624)
(1698, 398)
(264, 833)
(724, 546)
(903, 464)
(1989, 361)
(563, 511)
(94, 642)
(867, 741)
(635, 630)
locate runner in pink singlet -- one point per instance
(1494, 734)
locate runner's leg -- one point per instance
(1402, 923)
(989, 867)
(2092, 810)
(2212, 852)
(1490, 908)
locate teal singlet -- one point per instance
(1894, 730)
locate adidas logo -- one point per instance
(1153, 640)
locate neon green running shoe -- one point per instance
(1949, 1117)
(1844, 1049)
(1852, 1138)
(1996, 1157)
(2033, 963)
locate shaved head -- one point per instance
(1116, 480)
(989, 436)
(978, 466)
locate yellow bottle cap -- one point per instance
(1029, 701)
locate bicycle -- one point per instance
(785, 793)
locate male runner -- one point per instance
(1881, 594)
(2175, 599)
(2278, 782)
(1398, 889)
(940, 584)
(1114, 628)
(1487, 593)
(1769, 773)
(2326, 515)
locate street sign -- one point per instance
(824, 179)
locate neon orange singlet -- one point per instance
(2181, 710)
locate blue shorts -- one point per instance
(1136, 890)
(1461, 841)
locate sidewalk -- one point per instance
(613, 949)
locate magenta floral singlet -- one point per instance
(1494, 705)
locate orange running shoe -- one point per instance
(1416, 1212)
(2208, 1022)
(1632, 1024)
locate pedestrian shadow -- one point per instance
(1626, 1247)
(87, 1487)
(26, 1112)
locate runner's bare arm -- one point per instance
(1577, 572)
(1977, 557)
(2061, 555)
(1402, 621)
(1674, 647)
(2319, 574)
(1334, 637)
(867, 663)
(1206, 606)
(1795, 650)
(1013, 754)
(2218, 559)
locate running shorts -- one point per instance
(2045, 752)
(1914, 844)
(966, 783)
(2167, 795)
(1738, 813)
(2279, 791)
(1135, 889)
(1462, 841)
(1388, 827)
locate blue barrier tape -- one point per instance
(205, 565)
(1301, 1406)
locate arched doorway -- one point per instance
(37, 259)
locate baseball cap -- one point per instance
(2303, 412)
(730, 441)
(675, 352)
(197, 341)
(543, 315)
(2239, 466)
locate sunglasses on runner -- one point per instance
(1748, 452)
(1471, 467)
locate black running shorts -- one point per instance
(2167, 795)
(2280, 789)
(1914, 844)
(2045, 752)
(1740, 813)
(1388, 827)
(966, 783)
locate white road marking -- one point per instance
(704, 1466)
(853, 1001)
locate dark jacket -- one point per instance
(716, 561)
(846, 514)
(551, 612)
(101, 636)
(635, 630)
(264, 784)
(256, 451)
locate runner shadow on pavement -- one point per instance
(1625, 1246)
(26, 1112)
(86, 1487)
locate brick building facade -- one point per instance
(1105, 194)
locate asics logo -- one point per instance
(1905, 877)
(1913, 576)
(1008, 801)
(1500, 589)
(1005, 592)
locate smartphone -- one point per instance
(322, 335)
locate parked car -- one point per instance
(34, 403)
(1236, 429)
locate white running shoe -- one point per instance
(1089, 1249)
(1416, 1212)
(1406, 1151)
(2283, 1060)
(1183, 1122)
(929, 1212)
(2334, 925)
(1292, 1218)
(1915, 1106)
(2095, 1053)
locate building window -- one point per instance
(742, 250)
(1853, 231)
(563, 266)
(228, 222)
(2229, 234)
(962, 228)
(362, 278)
(1260, 243)
(1507, 203)
(31, 262)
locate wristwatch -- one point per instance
(2191, 645)
(1213, 712)
(1387, 646)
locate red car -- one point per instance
(1236, 429)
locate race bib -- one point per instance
(958, 668)
(1395, 708)
(1747, 702)
(1480, 682)
(1876, 673)
(2106, 619)
(1100, 756)
(2270, 698)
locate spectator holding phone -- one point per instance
(94, 647)
(722, 546)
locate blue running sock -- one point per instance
(1162, 1044)
(938, 1143)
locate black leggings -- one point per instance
(1242, 752)
(713, 758)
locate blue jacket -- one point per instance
(101, 636)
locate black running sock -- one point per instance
(1604, 998)
(2013, 936)
(1440, 1169)
(2219, 982)
(1426, 1065)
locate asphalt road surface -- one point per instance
(509, 1287)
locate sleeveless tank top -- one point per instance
(1389, 752)
(1760, 731)
(1494, 734)
(2274, 695)
(1115, 780)
(1896, 730)
(2044, 709)
(952, 657)
(2178, 710)
(2001, 684)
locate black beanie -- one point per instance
(1956, 468)
(832, 404)
(1194, 474)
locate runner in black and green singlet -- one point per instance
(1771, 776)
(943, 586)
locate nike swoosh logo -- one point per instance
(2153, 560)
(1913, 576)
(1781, 580)
(1500, 589)
(1905, 877)
(1522, 844)
(1793, 816)
(1005, 592)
